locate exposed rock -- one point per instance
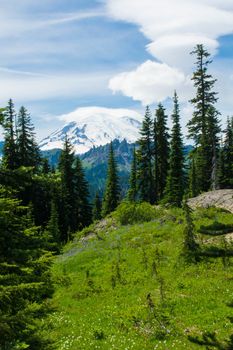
(221, 199)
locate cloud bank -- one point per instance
(173, 28)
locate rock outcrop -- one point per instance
(221, 199)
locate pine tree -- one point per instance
(144, 156)
(112, 191)
(97, 208)
(68, 201)
(175, 180)
(10, 154)
(162, 154)
(204, 125)
(28, 150)
(83, 208)
(133, 190)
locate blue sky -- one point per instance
(59, 55)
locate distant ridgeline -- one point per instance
(95, 163)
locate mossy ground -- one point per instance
(129, 288)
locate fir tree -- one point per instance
(46, 169)
(97, 207)
(226, 157)
(144, 156)
(53, 225)
(83, 208)
(133, 190)
(175, 180)
(112, 191)
(68, 201)
(25, 278)
(155, 160)
(193, 188)
(204, 125)
(28, 150)
(161, 137)
(10, 154)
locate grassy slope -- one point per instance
(103, 285)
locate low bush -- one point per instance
(131, 213)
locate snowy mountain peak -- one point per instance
(94, 126)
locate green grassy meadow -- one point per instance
(128, 287)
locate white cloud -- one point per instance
(173, 27)
(151, 82)
(176, 24)
(83, 113)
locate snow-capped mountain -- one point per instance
(94, 126)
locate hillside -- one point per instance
(123, 283)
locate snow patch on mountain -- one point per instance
(87, 127)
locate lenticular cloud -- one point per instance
(173, 27)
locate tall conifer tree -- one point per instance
(226, 159)
(161, 137)
(144, 156)
(83, 211)
(155, 160)
(25, 278)
(28, 151)
(133, 188)
(193, 187)
(97, 207)
(204, 125)
(53, 226)
(175, 180)
(10, 154)
(68, 203)
(112, 190)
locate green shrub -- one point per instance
(131, 213)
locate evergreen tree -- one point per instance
(68, 219)
(46, 169)
(53, 226)
(25, 278)
(161, 137)
(10, 154)
(204, 125)
(155, 160)
(97, 207)
(193, 188)
(112, 191)
(175, 180)
(27, 148)
(83, 208)
(144, 156)
(133, 190)
(226, 157)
